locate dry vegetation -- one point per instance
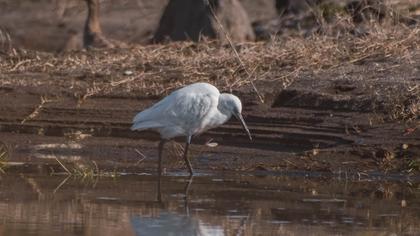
(155, 70)
(281, 59)
(4, 155)
(5, 42)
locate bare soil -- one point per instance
(333, 121)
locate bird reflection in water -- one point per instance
(170, 223)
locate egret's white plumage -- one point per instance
(188, 111)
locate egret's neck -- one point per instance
(223, 116)
(219, 116)
(223, 107)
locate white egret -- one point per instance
(189, 111)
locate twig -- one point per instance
(235, 51)
(61, 184)
(62, 165)
(141, 154)
(34, 185)
(4, 152)
(19, 64)
(37, 110)
(5, 42)
(411, 89)
(127, 80)
(96, 167)
(248, 78)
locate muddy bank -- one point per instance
(358, 117)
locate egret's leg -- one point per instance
(161, 143)
(187, 188)
(186, 159)
(159, 191)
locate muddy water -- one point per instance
(208, 204)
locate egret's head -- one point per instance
(230, 104)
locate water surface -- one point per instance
(35, 204)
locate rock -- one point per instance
(193, 19)
(128, 72)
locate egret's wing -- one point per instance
(185, 108)
(150, 118)
(189, 109)
(145, 125)
(152, 112)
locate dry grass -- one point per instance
(5, 42)
(37, 110)
(4, 156)
(280, 60)
(83, 169)
(158, 69)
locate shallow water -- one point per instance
(33, 204)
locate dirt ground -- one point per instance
(329, 104)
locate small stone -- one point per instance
(128, 72)
(212, 144)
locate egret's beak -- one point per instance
(241, 119)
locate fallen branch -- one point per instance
(37, 110)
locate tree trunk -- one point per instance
(93, 36)
(192, 19)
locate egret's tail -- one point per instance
(147, 119)
(145, 125)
